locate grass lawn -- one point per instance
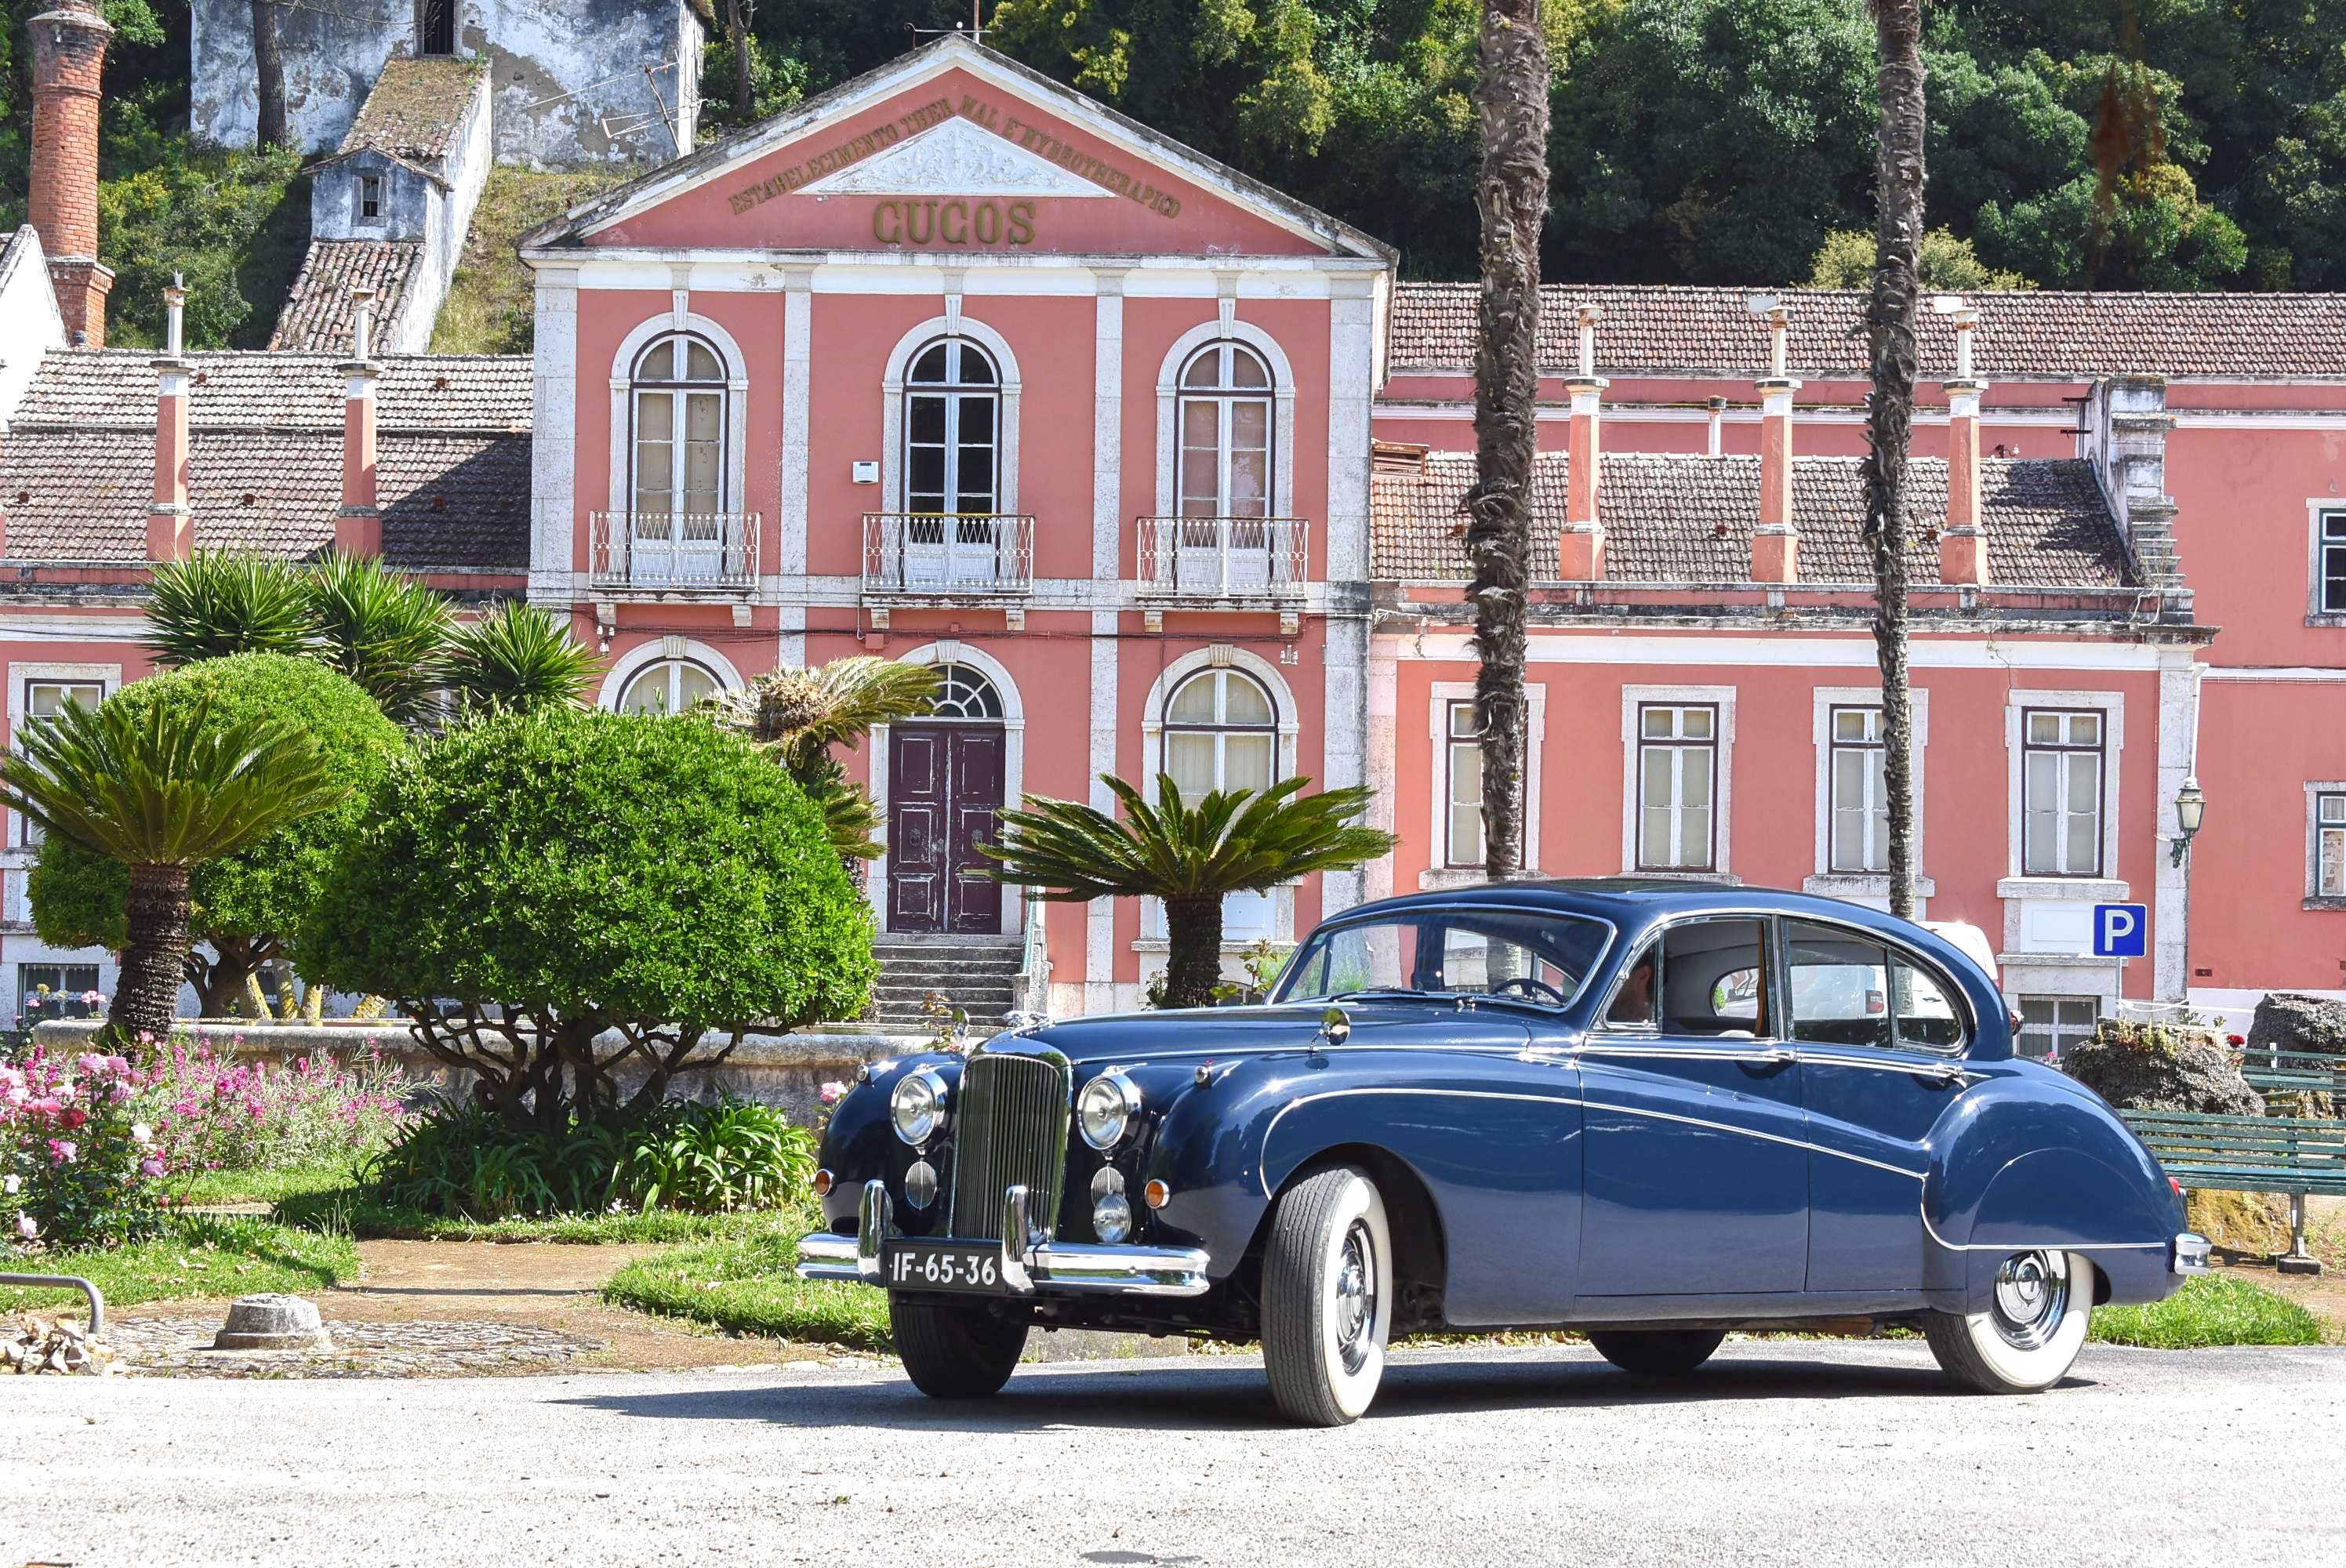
(261, 1186)
(2210, 1311)
(745, 1284)
(343, 1208)
(201, 1256)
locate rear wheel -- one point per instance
(2035, 1322)
(1657, 1352)
(1326, 1297)
(952, 1350)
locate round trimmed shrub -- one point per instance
(248, 905)
(529, 884)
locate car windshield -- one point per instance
(1527, 955)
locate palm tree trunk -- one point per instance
(154, 957)
(1890, 414)
(1193, 958)
(1511, 195)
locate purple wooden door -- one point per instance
(944, 785)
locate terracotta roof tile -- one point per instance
(317, 314)
(83, 388)
(1659, 328)
(416, 106)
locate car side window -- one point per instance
(1712, 980)
(1637, 1003)
(1925, 1014)
(1840, 986)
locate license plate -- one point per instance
(913, 1263)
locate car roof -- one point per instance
(1632, 903)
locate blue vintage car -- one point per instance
(1651, 1111)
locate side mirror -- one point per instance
(1335, 1026)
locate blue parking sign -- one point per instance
(2121, 930)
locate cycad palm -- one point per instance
(1231, 842)
(797, 716)
(163, 795)
(384, 630)
(214, 604)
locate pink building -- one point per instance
(1161, 468)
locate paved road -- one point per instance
(1809, 1454)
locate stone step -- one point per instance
(891, 975)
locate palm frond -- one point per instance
(169, 789)
(385, 631)
(800, 712)
(215, 604)
(518, 657)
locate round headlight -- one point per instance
(1105, 1109)
(918, 1104)
(1112, 1218)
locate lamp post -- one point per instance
(2190, 808)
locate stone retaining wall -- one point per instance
(784, 1070)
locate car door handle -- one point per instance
(1942, 1076)
(1773, 1056)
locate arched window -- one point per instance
(953, 431)
(670, 685)
(1221, 732)
(678, 397)
(964, 692)
(1227, 403)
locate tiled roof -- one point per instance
(416, 106)
(1657, 329)
(265, 464)
(1672, 518)
(317, 314)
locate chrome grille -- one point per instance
(1010, 1128)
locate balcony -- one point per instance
(947, 557)
(1234, 560)
(675, 552)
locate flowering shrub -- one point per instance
(78, 1165)
(211, 1112)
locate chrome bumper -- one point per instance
(1031, 1262)
(2189, 1255)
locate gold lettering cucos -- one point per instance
(954, 220)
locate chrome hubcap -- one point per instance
(2031, 1297)
(1356, 1298)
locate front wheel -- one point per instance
(955, 1352)
(1326, 1297)
(2034, 1326)
(1657, 1352)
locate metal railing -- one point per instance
(1223, 557)
(63, 1282)
(948, 554)
(1031, 988)
(675, 552)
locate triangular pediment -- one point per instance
(956, 158)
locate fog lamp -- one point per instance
(918, 1105)
(920, 1185)
(1112, 1218)
(1104, 1110)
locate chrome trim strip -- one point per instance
(824, 1255)
(1752, 1133)
(1932, 1231)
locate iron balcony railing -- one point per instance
(675, 552)
(1223, 557)
(947, 553)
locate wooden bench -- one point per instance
(2297, 1156)
(2294, 1072)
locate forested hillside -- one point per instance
(2163, 144)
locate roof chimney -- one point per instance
(170, 526)
(1775, 543)
(1580, 551)
(1717, 420)
(1963, 542)
(358, 527)
(68, 42)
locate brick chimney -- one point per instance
(170, 525)
(68, 42)
(1775, 542)
(358, 527)
(1580, 552)
(1963, 542)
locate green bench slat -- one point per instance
(2245, 1154)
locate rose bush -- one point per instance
(211, 1112)
(78, 1164)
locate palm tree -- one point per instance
(1898, 175)
(213, 605)
(162, 795)
(1232, 841)
(384, 630)
(799, 716)
(1512, 102)
(516, 659)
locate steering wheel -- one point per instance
(1527, 985)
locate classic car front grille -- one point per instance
(1010, 1128)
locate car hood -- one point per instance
(1228, 1032)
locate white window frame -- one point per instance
(2317, 791)
(2319, 511)
(1225, 399)
(1152, 750)
(2017, 883)
(664, 650)
(680, 391)
(954, 323)
(1870, 888)
(1634, 700)
(2063, 1035)
(1283, 417)
(1442, 871)
(2067, 754)
(956, 393)
(22, 678)
(622, 495)
(1222, 727)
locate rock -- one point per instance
(2288, 1022)
(272, 1322)
(2159, 1067)
(38, 1346)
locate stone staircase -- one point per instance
(977, 972)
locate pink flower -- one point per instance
(151, 1167)
(63, 1151)
(833, 1092)
(25, 1227)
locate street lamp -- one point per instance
(2190, 806)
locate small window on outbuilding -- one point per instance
(370, 198)
(435, 27)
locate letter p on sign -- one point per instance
(2120, 931)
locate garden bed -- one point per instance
(360, 1213)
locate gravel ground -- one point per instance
(1799, 1454)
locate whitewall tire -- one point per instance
(2035, 1323)
(1326, 1297)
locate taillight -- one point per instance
(2175, 1184)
